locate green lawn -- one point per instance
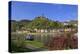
(35, 43)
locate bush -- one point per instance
(62, 42)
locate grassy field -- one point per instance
(35, 43)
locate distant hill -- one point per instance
(39, 22)
(12, 20)
(24, 20)
(74, 21)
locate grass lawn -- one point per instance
(35, 43)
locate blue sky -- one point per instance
(57, 12)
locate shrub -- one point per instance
(63, 42)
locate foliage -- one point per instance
(17, 43)
(35, 43)
(63, 42)
(39, 22)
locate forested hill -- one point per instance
(39, 22)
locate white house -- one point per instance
(65, 23)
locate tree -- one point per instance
(39, 22)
